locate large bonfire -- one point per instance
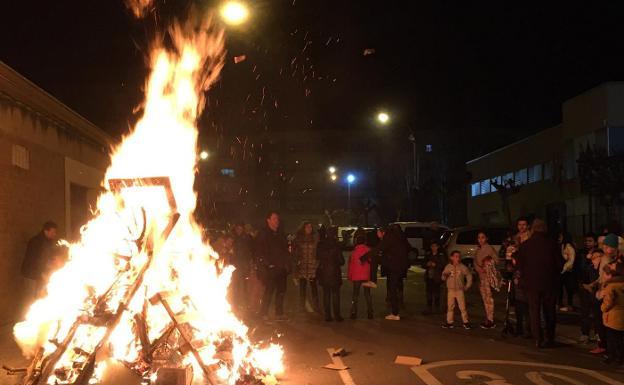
(141, 287)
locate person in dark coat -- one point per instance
(329, 273)
(242, 245)
(274, 262)
(434, 263)
(539, 264)
(39, 251)
(394, 263)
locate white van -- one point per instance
(416, 232)
(464, 240)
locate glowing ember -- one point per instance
(141, 287)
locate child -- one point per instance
(458, 279)
(360, 272)
(595, 304)
(434, 263)
(613, 313)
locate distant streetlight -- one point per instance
(383, 118)
(350, 180)
(234, 12)
(332, 169)
(333, 177)
(203, 155)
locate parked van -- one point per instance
(417, 232)
(464, 239)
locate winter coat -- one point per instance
(359, 270)
(613, 304)
(39, 251)
(568, 254)
(434, 273)
(457, 277)
(271, 251)
(305, 255)
(329, 272)
(479, 260)
(394, 251)
(587, 272)
(242, 252)
(539, 263)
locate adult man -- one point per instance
(39, 251)
(273, 264)
(242, 261)
(522, 224)
(539, 264)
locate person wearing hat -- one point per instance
(610, 253)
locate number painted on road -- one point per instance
(538, 378)
(493, 379)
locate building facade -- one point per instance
(544, 166)
(52, 162)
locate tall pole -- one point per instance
(349, 197)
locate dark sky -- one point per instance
(497, 70)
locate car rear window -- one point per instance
(496, 236)
(415, 232)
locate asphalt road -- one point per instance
(449, 357)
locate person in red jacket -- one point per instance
(358, 273)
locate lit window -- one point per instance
(498, 180)
(227, 172)
(485, 186)
(507, 177)
(520, 176)
(429, 148)
(535, 173)
(548, 170)
(475, 189)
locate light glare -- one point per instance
(383, 117)
(234, 12)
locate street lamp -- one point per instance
(333, 177)
(350, 180)
(383, 118)
(332, 169)
(234, 12)
(203, 155)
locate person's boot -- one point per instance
(354, 307)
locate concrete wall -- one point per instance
(36, 190)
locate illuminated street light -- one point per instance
(203, 155)
(332, 170)
(234, 12)
(333, 177)
(383, 118)
(350, 178)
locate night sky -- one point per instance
(495, 70)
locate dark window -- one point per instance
(415, 232)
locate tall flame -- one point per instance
(162, 145)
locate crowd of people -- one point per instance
(539, 273)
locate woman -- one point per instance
(307, 263)
(394, 264)
(359, 272)
(485, 255)
(569, 280)
(329, 273)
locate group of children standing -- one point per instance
(458, 278)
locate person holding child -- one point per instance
(458, 279)
(485, 257)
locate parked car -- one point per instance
(464, 239)
(416, 233)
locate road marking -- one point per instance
(425, 375)
(345, 376)
(538, 378)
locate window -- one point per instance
(548, 170)
(475, 189)
(520, 176)
(507, 177)
(228, 172)
(535, 173)
(496, 179)
(429, 148)
(485, 186)
(21, 157)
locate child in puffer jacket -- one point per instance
(458, 279)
